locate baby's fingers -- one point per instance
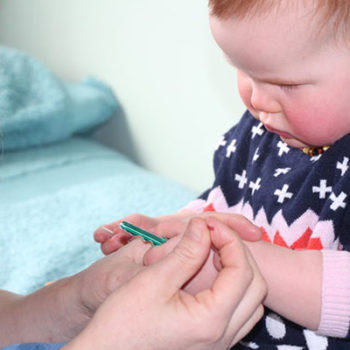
(115, 242)
(112, 237)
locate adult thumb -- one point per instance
(185, 261)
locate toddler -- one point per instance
(285, 165)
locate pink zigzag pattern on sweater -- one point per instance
(306, 232)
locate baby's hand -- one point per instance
(112, 237)
(209, 271)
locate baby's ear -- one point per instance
(156, 253)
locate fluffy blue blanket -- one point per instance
(56, 189)
(55, 196)
(37, 107)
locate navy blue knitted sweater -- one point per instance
(300, 202)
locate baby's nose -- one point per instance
(263, 101)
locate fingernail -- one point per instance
(110, 232)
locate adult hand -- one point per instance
(59, 311)
(112, 237)
(100, 279)
(152, 311)
(209, 271)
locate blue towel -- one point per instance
(57, 195)
(36, 107)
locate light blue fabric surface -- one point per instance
(36, 107)
(55, 196)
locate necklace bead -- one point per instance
(315, 151)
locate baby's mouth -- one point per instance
(281, 133)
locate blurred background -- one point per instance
(177, 92)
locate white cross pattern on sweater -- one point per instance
(338, 201)
(343, 167)
(231, 148)
(323, 189)
(221, 143)
(281, 171)
(283, 193)
(257, 130)
(283, 148)
(256, 155)
(255, 185)
(242, 179)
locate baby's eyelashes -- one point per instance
(288, 86)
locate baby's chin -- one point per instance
(295, 142)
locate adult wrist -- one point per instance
(75, 310)
(11, 318)
(56, 312)
(46, 315)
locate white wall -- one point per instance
(178, 93)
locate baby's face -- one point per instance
(296, 84)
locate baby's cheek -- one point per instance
(245, 90)
(312, 125)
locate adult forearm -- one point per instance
(294, 280)
(44, 316)
(9, 317)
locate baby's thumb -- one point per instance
(187, 258)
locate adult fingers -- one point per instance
(158, 252)
(236, 275)
(183, 262)
(135, 250)
(237, 335)
(240, 224)
(172, 227)
(250, 308)
(106, 231)
(220, 303)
